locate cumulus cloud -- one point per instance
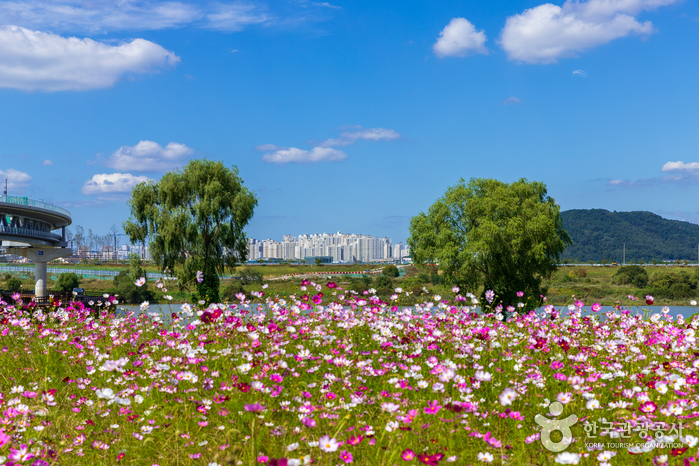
(511, 101)
(548, 32)
(680, 166)
(356, 133)
(47, 163)
(34, 60)
(112, 183)
(295, 155)
(15, 179)
(149, 156)
(460, 38)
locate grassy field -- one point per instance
(588, 283)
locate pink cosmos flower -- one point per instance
(433, 407)
(346, 456)
(140, 282)
(430, 460)
(407, 454)
(596, 307)
(262, 459)
(4, 438)
(308, 422)
(200, 276)
(20, 454)
(648, 407)
(254, 408)
(355, 440)
(520, 294)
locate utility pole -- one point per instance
(624, 261)
(5, 186)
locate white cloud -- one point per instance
(632, 183)
(680, 166)
(511, 101)
(34, 60)
(47, 163)
(149, 156)
(548, 32)
(357, 132)
(295, 155)
(104, 15)
(15, 180)
(459, 38)
(235, 16)
(327, 5)
(112, 183)
(580, 73)
(269, 147)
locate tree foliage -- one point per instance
(489, 234)
(67, 281)
(193, 220)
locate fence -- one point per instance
(88, 272)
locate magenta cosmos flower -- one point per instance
(596, 307)
(407, 454)
(254, 408)
(346, 456)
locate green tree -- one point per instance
(67, 281)
(485, 233)
(194, 220)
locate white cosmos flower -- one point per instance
(568, 458)
(483, 376)
(485, 457)
(328, 445)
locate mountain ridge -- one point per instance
(599, 234)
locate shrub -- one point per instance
(383, 281)
(581, 273)
(127, 290)
(631, 274)
(67, 281)
(230, 290)
(391, 271)
(13, 284)
(681, 291)
(249, 276)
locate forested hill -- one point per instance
(598, 234)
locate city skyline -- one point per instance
(341, 247)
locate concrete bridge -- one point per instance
(27, 229)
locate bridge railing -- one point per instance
(32, 203)
(28, 232)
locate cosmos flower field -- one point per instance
(332, 377)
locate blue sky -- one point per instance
(352, 116)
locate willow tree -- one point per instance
(490, 235)
(193, 220)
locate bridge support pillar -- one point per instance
(40, 256)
